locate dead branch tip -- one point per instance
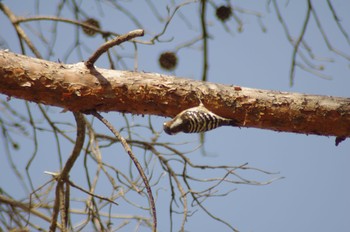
(111, 43)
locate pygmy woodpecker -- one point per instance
(195, 120)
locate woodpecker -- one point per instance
(195, 120)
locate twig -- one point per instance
(337, 21)
(20, 32)
(116, 41)
(205, 40)
(136, 162)
(195, 199)
(19, 20)
(172, 174)
(324, 35)
(25, 207)
(63, 176)
(297, 43)
(169, 19)
(91, 194)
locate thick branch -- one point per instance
(76, 88)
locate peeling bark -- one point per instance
(76, 88)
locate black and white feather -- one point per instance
(195, 120)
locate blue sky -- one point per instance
(314, 194)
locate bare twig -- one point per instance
(63, 208)
(25, 207)
(336, 20)
(91, 194)
(63, 176)
(136, 162)
(21, 34)
(78, 145)
(65, 20)
(169, 19)
(195, 199)
(116, 41)
(297, 43)
(205, 40)
(172, 174)
(324, 35)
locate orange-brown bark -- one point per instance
(76, 88)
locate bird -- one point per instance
(196, 120)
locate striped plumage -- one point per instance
(195, 120)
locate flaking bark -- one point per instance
(77, 88)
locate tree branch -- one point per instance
(61, 203)
(20, 32)
(116, 41)
(76, 88)
(26, 208)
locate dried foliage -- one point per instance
(92, 22)
(223, 13)
(168, 60)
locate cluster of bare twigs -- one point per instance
(303, 55)
(81, 204)
(188, 190)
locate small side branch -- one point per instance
(111, 43)
(90, 193)
(61, 203)
(297, 43)
(20, 32)
(205, 40)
